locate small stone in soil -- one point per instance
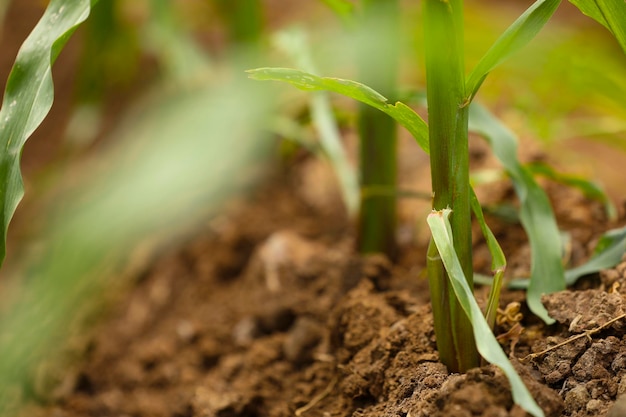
(305, 334)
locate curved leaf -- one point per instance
(400, 112)
(609, 13)
(588, 188)
(294, 42)
(486, 342)
(498, 260)
(536, 214)
(29, 94)
(159, 191)
(522, 31)
(608, 252)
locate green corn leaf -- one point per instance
(294, 43)
(609, 13)
(609, 240)
(486, 342)
(608, 252)
(588, 188)
(402, 113)
(159, 190)
(29, 94)
(498, 260)
(522, 31)
(536, 214)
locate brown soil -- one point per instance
(268, 312)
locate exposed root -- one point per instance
(319, 397)
(586, 334)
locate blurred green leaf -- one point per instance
(4, 6)
(536, 214)
(588, 188)
(180, 56)
(29, 94)
(244, 17)
(342, 8)
(309, 82)
(145, 187)
(117, 62)
(609, 13)
(486, 342)
(294, 42)
(522, 31)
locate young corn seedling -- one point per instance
(461, 329)
(372, 202)
(29, 93)
(377, 222)
(448, 115)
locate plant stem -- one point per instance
(449, 158)
(378, 62)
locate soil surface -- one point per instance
(269, 312)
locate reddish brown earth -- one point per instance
(268, 312)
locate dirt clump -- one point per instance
(279, 317)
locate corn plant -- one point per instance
(462, 331)
(377, 133)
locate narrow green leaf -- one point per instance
(588, 188)
(536, 214)
(142, 188)
(486, 342)
(498, 261)
(522, 31)
(608, 252)
(610, 239)
(294, 43)
(400, 112)
(609, 13)
(28, 96)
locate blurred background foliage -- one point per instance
(152, 94)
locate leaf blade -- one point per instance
(547, 275)
(588, 188)
(608, 252)
(498, 260)
(29, 94)
(610, 14)
(522, 31)
(486, 342)
(402, 113)
(294, 43)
